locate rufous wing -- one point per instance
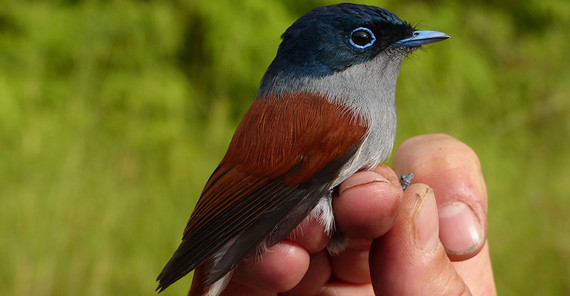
(284, 156)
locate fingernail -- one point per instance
(360, 179)
(461, 230)
(427, 224)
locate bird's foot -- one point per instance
(406, 180)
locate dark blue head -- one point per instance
(332, 38)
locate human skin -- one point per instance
(427, 240)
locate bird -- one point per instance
(325, 109)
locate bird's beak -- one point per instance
(420, 38)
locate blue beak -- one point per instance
(420, 38)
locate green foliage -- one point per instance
(113, 115)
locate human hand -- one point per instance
(412, 259)
(394, 246)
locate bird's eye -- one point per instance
(362, 37)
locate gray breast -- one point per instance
(367, 89)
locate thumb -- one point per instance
(409, 259)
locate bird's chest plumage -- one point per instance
(368, 91)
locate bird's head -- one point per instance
(332, 39)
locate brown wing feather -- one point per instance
(278, 147)
(292, 137)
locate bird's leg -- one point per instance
(406, 180)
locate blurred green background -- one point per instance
(114, 113)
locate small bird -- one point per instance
(325, 110)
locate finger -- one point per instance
(453, 170)
(310, 235)
(368, 203)
(342, 288)
(366, 208)
(278, 269)
(409, 259)
(477, 273)
(315, 278)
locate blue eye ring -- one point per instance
(370, 36)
